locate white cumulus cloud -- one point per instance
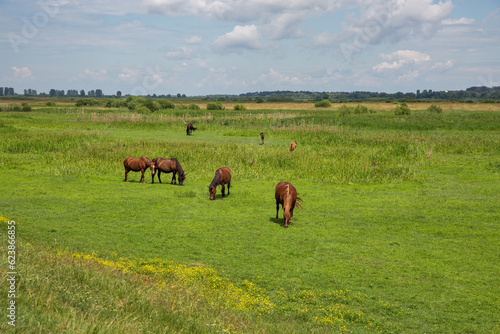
(22, 74)
(242, 37)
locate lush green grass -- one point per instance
(398, 231)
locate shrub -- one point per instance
(359, 109)
(50, 104)
(402, 109)
(166, 104)
(26, 106)
(323, 104)
(217, 105)
(142, 109)
(259, 100)
(435, 109)
(193, 106)
(87, 102)
(345, 110)
(240, 107)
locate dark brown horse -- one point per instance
(262, 137)
(167, 166)
(190, 128)
(222, 177)
(136, 165)
(286, 195)
(292, 146)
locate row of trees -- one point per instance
(6, 91)
(472, 93)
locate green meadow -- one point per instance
(398, 231)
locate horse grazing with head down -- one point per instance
(222, 177)
(136, 165)
(262, 137)
(286, 195)
(293, 145)
(190, 128)
(167, 166)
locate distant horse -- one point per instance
(190, 128)
(136, 165)
(262, 137)
(286, 195)
(167, 166)
(292, 146)
(222, 177)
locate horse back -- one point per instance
(225, 174)
(284, 192)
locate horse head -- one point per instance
(212, 191)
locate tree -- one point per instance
(82, 93)
(119, 94)
(98, 93)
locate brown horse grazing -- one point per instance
(222, 176)
(136, 165)
(292, 146)
(189, 129)
(286, 195)
(167, 166)
(262, 137)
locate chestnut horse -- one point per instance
(136, 165)
(262, 137)
(167, 166)
(189, 129)
(286, 195)
(292, 146)
(222, 177)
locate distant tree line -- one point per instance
(471, 94)
(6, 91)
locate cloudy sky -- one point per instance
(199, 47)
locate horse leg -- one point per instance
(142, 176)
(126, 172)
(228, 186)
(277, 209)
(174, 181)
(159, 172)
(223, 189)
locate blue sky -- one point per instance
(200, 47)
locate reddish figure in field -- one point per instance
(136, 165)
(292, 146)
(262, 137)
(222, 177)
(286, 195)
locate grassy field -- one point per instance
(398, 230)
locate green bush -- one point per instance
(259, 100)
(166, 104)
(359, 109)
(142, 109)
(217, 105)
(50, 104)
(435, 109)
(323, 104)
(240, 107)
(402, 109)
(193, 106)
(87, 102)
(26, 106)
(345, 110)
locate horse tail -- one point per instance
(297, 204)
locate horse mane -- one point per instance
(216, 180)
(178, 166)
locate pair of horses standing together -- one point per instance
(157, 165)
